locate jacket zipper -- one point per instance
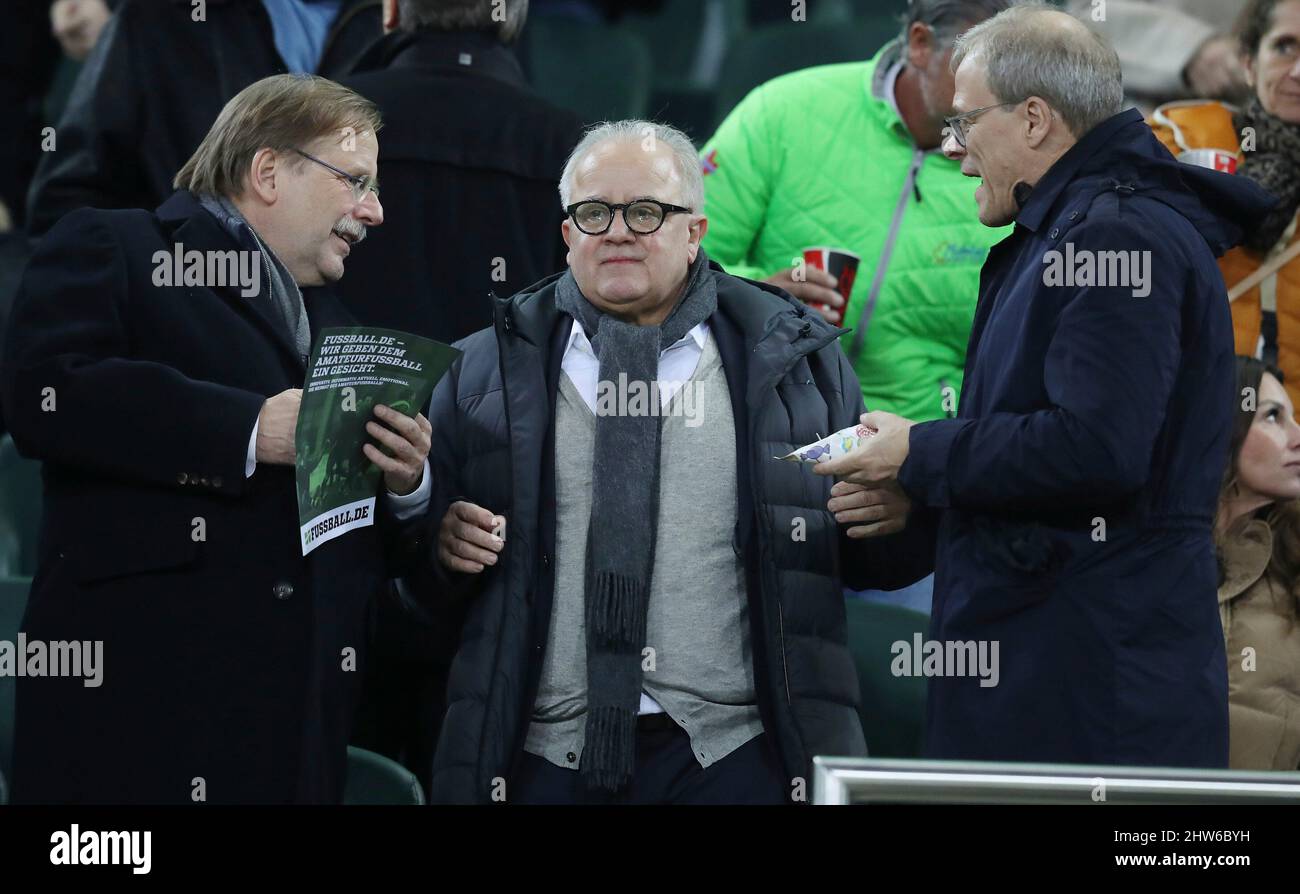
(877, 282)
(785, 669)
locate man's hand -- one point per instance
(879, 457)
(470, 538)
(1217, 71)
(883, 509)
(409, 441)
(817, 291)
(275, 428)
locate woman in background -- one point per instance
(1257, 535)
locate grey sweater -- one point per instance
(698, 663)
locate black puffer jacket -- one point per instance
(493, 446)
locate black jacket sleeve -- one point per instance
(73, 395)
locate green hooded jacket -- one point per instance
(820, 157)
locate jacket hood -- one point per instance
(1123, 151)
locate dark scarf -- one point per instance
(624, 516)
(281, 286)
(1274, 165)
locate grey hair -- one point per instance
(949, 17)
(505, 17)
(1073, 68)
(685, 155)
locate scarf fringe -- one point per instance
(616, 612)
(610, 750)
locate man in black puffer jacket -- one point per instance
(646, 604)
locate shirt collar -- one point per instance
(577, 338)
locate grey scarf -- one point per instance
(624, 516)
(1274, 165)
(285, 294)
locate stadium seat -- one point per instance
(13, 602)
(374, 779)
(765, 53)
(20, 510)
(893, 708)
(601, 73)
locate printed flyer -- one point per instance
(352, 369)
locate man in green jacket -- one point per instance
(847, 156)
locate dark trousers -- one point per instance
(666, 773)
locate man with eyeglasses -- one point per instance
(648, 603)
(1075, 494)
(164, 407)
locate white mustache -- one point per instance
(347, 226)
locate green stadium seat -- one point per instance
(765, 53)
(13, 602)
(893, 708)
(375, 779)
(601, 73)
(20, 510)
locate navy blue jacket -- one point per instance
(1076, 489)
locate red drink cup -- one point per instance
(841, 264)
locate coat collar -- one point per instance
(760, 312)
(1245, 559)
(1060, 175)
(776, 330)
(461, 52)
(197, 230)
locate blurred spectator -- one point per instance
(472, 160)
(28, 57)
(470, 168)
(158, 77)
(847, 156)
(1171, 49)
(1258, 543)
(76, 24)
(1266, 316)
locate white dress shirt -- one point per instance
(677, 364)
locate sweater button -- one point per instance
(282, 590)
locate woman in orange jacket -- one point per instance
(1262, 142)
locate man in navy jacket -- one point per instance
(1073, 497)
